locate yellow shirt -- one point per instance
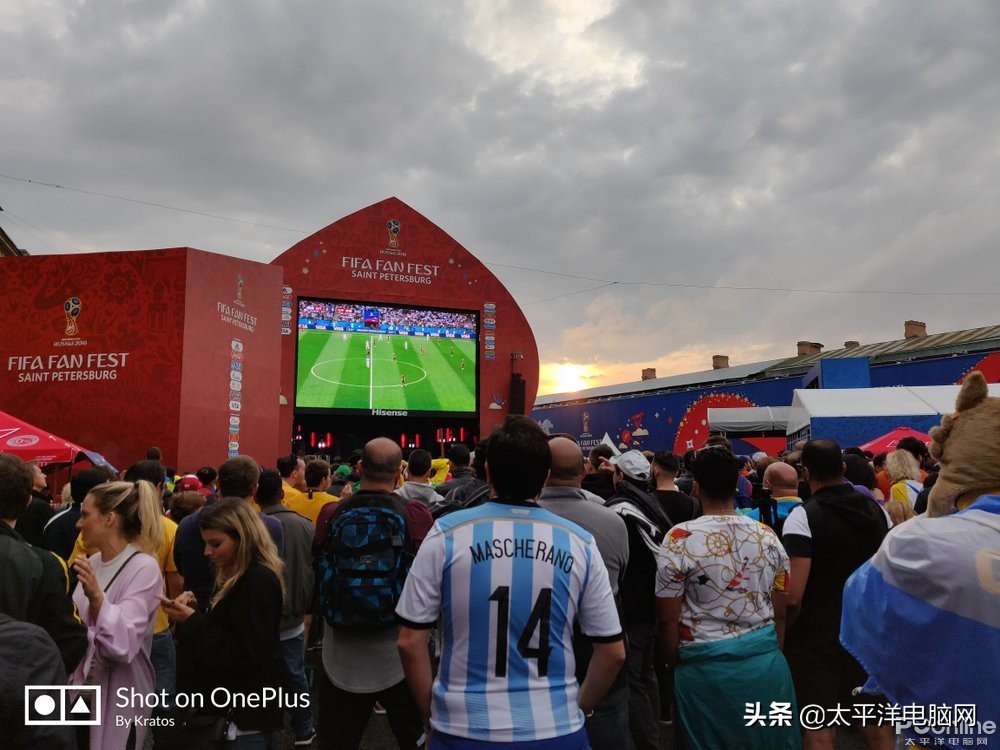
(289, 494)
(165, 556)
(309, 503)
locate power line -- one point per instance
(567, 294)
(150, 203)
(37, 229)
(604, 281)
(739, 288)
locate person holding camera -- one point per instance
(780, 486)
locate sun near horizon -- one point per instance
(567, 377)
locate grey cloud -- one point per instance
(838, 145)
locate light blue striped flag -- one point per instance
(923, 617)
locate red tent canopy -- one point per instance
(890, 442)
(32, 443)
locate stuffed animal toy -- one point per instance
(967, 446)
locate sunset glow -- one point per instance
(566, 377)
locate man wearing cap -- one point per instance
(646, 524)
(189, 483)
(341, 476)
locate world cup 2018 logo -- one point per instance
(72, 308)
(393, 226)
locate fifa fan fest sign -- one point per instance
(122, 351)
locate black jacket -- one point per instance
(646, 524)
(459, 477)
(34, 587)
(32, 522)
(235, 646)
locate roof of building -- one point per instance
(7, 246)
(691, 379)
(928, 400)
(923, 347)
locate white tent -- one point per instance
(748, 419)
(925, 403)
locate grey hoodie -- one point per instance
(423, 492)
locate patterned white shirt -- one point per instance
(725, 567)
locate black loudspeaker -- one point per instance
(517, 394)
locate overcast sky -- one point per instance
(677, 148)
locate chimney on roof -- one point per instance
(815, 347)
(803, 347)
(852, 344)
(649, 373)
(720, 362)
(914, 329)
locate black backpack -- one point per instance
(364, 563)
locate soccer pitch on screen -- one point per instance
(362, 370)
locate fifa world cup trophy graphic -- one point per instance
(72, 309)
(586, 423)
(393, 226)
(239, 290)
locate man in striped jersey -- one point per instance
(508, 579)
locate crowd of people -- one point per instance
(386, 319)
(528, 595)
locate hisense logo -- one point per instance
(389, 413)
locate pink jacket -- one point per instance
(118, 647)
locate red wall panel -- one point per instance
(147, 357)
(107, 377)
(231, 368)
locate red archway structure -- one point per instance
(388, 260)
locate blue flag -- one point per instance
(923, 618)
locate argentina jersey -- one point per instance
(508, 581)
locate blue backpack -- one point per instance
(365, 561)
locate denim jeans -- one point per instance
(293, 650)
(163, 655)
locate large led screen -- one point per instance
(378, 358)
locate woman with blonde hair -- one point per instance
(235, 645)
(898, 511)
(904, 477)
(117, 596)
